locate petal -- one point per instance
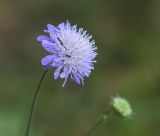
(56, 60)
(49, 46)
(52, 28)
(53, 31)
(46, 60)
(54, 64)
(83, 71)
(57, 72)
(76, 78)
(43, 37)
(64, 73)
(68, 26)
(65, 80)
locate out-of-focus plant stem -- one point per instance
(34, 103)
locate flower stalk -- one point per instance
(34, 102)
(102, 119)
(118, 106)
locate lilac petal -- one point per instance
(52, 28)
(84, 71)
(46, 60)
(56, 60)
(43, 37)
(68, 25)
(57, 72)
(64, 73)
(54, 64)
(53, 31)
(76, 78)
(65, 80)
(61, 26)
(49, 46)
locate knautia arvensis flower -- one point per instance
(72, 52)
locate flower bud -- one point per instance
(121, 106)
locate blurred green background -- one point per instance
(127, 34)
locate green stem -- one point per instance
(94, 127)
(102, 119)
(34, 103)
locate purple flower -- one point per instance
(71, 52)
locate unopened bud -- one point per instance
(121, 106)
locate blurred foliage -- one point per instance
(127, 34)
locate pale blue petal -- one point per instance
(46, 60)
(49, 46)
(43, 37)
(57, 72)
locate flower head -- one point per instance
(121, 106)
(71, 52)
